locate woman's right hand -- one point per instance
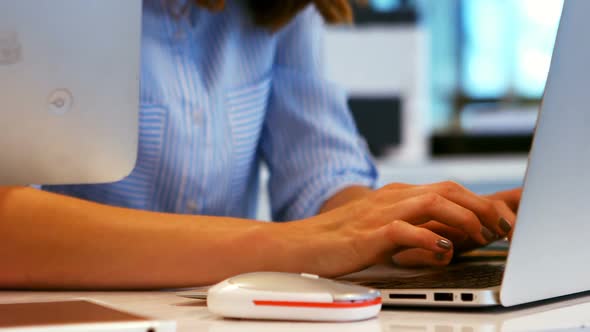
(387, 222)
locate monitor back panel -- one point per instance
(69, 90)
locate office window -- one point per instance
(506, 47)
(489, 64)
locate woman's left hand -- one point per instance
(506, 204)
(510, 197)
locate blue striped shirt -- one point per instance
(220, 96)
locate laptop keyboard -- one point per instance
(466, 276)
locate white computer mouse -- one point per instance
(291, 296)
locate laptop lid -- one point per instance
(549, 250)
(69, 90)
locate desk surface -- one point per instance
(192, 315)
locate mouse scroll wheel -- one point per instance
(310, 276)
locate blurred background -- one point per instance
(446, 89)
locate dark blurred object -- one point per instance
(444, 144)
(489, 127)
(379, 121)
(379, 118)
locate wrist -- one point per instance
(345, 196)
(289, 247)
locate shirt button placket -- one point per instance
(198, 121)
(197, 117)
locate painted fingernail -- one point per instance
(439, 256)
(505, 225)
(444, 244)
(487, 234)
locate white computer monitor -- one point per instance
(69, 90)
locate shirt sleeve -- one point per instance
(309, 139)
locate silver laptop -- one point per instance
(69, 90)
(548, 256)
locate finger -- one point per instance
(507, 217)
(422, 258)
(431, 206)
(399, 235)
(510, 197)
(481, 206)
(461, 240)
(456, 236)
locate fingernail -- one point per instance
(444, 244)
(439, 256)
(487, 234)
(505, 225)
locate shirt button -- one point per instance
(209, 142)
(192, 206)
(179, 34)
(197, 117)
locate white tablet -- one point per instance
(76, 315)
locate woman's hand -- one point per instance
(511, 198)
(391, 220)
(506, 204)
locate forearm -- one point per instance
(54, 241)
(345, 196)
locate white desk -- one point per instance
(192, 315)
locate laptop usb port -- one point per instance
(443, 297)
(466, 297)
